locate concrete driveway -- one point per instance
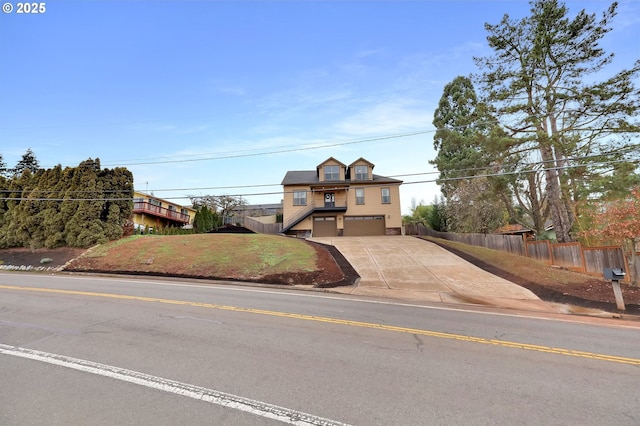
(413, 269)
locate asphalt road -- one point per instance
(102, 351)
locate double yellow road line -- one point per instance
(383, 327)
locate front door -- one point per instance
(329, 199)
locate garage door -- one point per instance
(363, 225)
(324, 226)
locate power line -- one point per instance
(622, 150)
(281, 151)
(444, 179)
(381, 185)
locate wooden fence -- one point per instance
(598, 258)
(510, 243)
(572, 256)
(261, 228)
(540, 250)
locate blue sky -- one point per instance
(223, 97)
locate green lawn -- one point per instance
(221, 255)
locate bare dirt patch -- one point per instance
(548, 283)
(49, 258)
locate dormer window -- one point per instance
(362, 172)
(331, 172)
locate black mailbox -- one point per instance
(614, 274)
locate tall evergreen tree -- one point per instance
(3, 167)
(460, 127)
(205, 220)
(540, 83)
(437, 219)
(51, 185)
(469, 145)
(117, 190)
(27, 162)
(16, 231)
(78, 206)
(84, 228)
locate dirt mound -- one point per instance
(25, 258)
(333, 269)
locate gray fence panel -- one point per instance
(598, 258)
(568, 255)
(540, 250)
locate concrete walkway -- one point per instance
(409, 268)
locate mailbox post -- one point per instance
(615, 275)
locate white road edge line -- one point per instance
(235, 402)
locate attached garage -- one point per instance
(355, 226)
(325, 226)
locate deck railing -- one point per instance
(148, 208)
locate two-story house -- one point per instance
(150, 211)
(336, 199)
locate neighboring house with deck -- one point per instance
(153, 212)
(336, 199)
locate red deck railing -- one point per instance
(148, 208)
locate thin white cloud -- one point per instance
(301, 98)
(393, 116)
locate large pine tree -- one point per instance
(3, 167)
(540, 81)
(27, 162)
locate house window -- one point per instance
(299, 198)
(155, 202)
(362, 172)
(359, 195)
(386, 196)
(331, 172)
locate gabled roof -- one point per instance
(330, 159)
(362, 160)
(309, 177)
